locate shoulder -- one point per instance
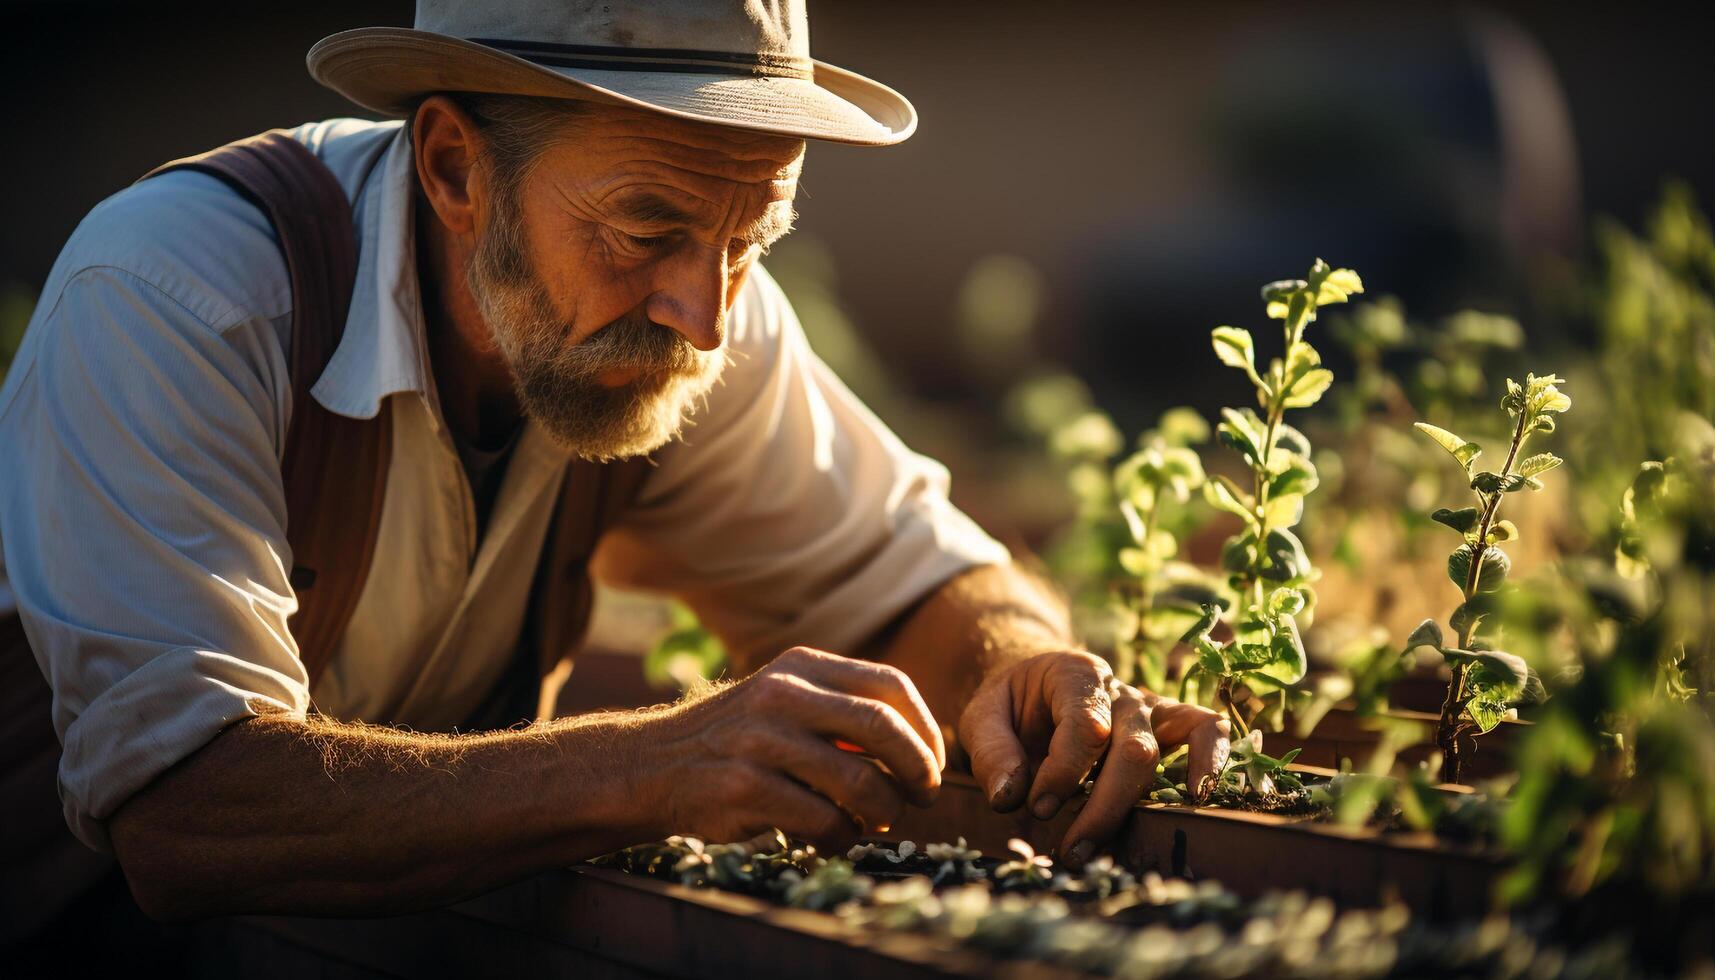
(202, 244)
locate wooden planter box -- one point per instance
(1341, 734)
(1255, 853)
(1250, 853)
(587, 922)
(594, 923)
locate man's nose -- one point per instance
(690, 296)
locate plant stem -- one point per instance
(1145, 604)
(1276, 412)
(1225, 690)
(1447, 727)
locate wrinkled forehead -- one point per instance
(694, 164)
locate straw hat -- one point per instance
(742, 63)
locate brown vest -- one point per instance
(335, 477)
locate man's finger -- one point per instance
(852, 782)
(804, 814)
(998, 761)
(1206, 736)
(875, 725)
(1127, 771)
(1174, 721)
(1076, 693)
(868, 679)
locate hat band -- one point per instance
(610, 58)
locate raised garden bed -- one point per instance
(594, 922)
(1249, 853)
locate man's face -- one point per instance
(606, 275)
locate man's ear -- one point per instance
(444, 140)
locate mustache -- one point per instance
(635, 343)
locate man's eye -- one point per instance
(646, 243)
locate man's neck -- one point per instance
(471, 377)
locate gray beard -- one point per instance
(558, 383)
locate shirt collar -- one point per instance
(383, 351)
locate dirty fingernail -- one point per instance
(1045, 806)
(1080, 853)
(1002, 791)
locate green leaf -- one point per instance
(1338, 286)
(1297, 475)
(1161, 544)
(1463, 451)
(1238, 554)
(1487, 714)
(1490, 575)
(1488, 483)
(1233, 345)
(1136, 486)
(1183, 470)
(1091, 435)
(1309, 388)
(1291, 440)
(1502, 531)
(1223, 494)
(1461, 520)
(1285, 602)
(1241, 430)
(1211, 656)
(1300, 307)
(1427, 634)
(1289, 663)
(1301, 359)
(1281, 290)
(1168, 619)
(1182, 426)
(1138, 562)
(1286, 557)
(1245, 656)
(1492, 674)
(1283, 511)
(1205, 623)
(1540, 463)
(1468, 616)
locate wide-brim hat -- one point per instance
(740, 63)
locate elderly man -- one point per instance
(556, 267)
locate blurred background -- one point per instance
(1093, 186)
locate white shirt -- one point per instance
(142, 516)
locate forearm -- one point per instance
(282, 815)
(976, 623)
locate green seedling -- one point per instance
(1269, 572)
(1486, 681)
(1160, 596)
(1250, 780)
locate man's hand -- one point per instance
(761, 753)
(1058, 715)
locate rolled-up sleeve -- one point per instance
(143, 523)
(788, 513)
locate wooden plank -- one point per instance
(439, 943)
(590, 922)
(1254, 853)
